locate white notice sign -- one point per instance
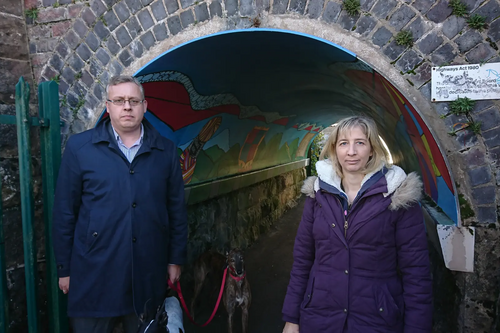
(472, 81)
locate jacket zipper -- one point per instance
(346, 225)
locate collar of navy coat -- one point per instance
(152, 139)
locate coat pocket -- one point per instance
(92, 233)
(309, 294)
(387, 307)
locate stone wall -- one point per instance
(82, 43)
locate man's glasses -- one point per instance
(120, 102)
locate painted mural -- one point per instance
(217, 136)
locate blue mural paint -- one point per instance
(420, 131)
(446, 200)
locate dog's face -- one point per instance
(158, 324)
(236, 261)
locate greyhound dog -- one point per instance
(236, 288)
(168, 318)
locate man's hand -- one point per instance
(174, 273)
(64, 284)
(291, 328)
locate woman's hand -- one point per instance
(291, 328)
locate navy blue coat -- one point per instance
(374, 275)
(117, 225)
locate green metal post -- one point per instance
(27, 203)
(4, 303)
(50, 140)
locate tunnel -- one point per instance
(243, 101)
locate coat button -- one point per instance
(309, 296)
(345, 310)
(131, 172)
(94, 234)
(333, 225)
(59, 266)
(381, 309)
(134, 205)
(346, 271)
(134, 239)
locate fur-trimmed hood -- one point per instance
(406, 190)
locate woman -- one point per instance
(361, 263)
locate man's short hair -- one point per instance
(116, 80)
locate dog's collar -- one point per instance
(236, 278)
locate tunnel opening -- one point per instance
(240, 102)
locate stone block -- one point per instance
(111, 21)
(116, 69)
(393, 50)
(215, 9)
(104, 78)
(187, 18)
(471, 4)
(123, 36)
(125, 58)
(87, 79)
(158, 10)
(134, 28)
(84, 52)
(482, 105)
(12, 38)
(429, 43)
(35, 32)
(314, 8)
(474, 157)
(99, 92)
(75, 62)
(443, 55)
(401, 17)
(50, 14)
(98, 7)
(174, 25)
(101, 30)
(494, 30)
(134, 5)
(232, 6)
(442, 108)
(494, 155)
(332, 11)
(145, 19)
(148, 39)
(60, 28)
(68, 75)
(366, 5)
(146, 2)
(186, 3)
(160, 32)
(122, 11)
(480, 53)
(484, 195)
(347, 21)
(418, 28)
(95, 68)
(490, 11)
(201, 12)
(382, 8)
(423, 74)
(48, 74)
(63, 87)
(468, 40)
(74, 10)
(62, 49)
(381, 36)
(480, 176)
(88, 17)
(423, 5)
(92, 41)
(492, 137)
(456, 122)
(297, 6)
(48, 3)
(172, 6)
(408, 61)
(488, 119)
(14, 8)
(72, 39)
(113, 46)
(39, 59)
(103, 56)
(453, 25)
(466, 139)
(262, 5)
(486, 214)
(137, 49)
(56, 62)
(365, 25)
(439, 12)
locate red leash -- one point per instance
(177, 288)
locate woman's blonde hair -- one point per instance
(369, 128)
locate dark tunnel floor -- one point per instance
(268, 263)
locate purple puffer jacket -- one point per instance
(371, 277)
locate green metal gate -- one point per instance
(50, 139)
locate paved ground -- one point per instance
(268, 264)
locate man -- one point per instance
(120, 223)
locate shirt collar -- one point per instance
(119, 140)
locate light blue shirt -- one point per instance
(132, 151)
